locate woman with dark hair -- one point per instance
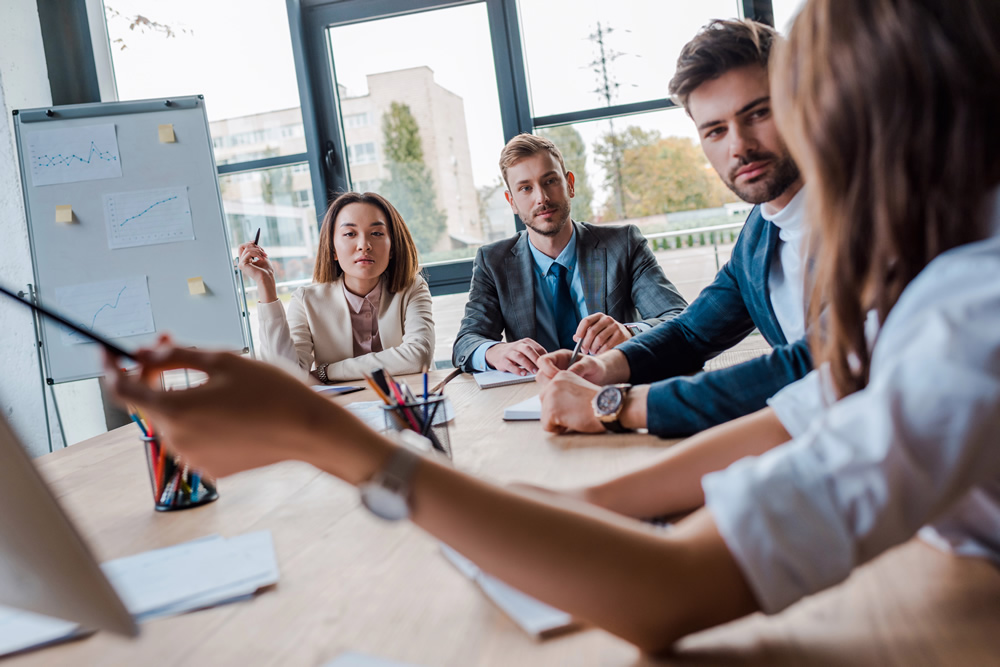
(368, 305)
(888, 108)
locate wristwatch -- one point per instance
(321, 373)
(608, 404)
(387, 493)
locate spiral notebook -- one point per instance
(490, 379)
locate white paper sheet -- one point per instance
(72, 154)
(352, 659)
(21, 630)
(527, 410)
(194, 574)
(112, 308)
(148, 217)
(531, 615)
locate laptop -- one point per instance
(45, 566)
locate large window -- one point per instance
(415, 98)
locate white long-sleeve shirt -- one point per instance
(919, 446)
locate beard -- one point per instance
(553, 225)
(766, 187)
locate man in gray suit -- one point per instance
(560, 280)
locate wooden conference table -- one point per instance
(350, 582)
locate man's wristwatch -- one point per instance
(387, 493)
(321, 373)
(608, 404)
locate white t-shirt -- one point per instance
(919, 445)
(785, 276)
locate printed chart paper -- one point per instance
(112, 308)
(72, 154)
(148, 217)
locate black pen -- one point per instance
(576, 353)
(255, 239)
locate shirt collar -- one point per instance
(357, 302)
(567, 257)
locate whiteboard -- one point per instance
(144, 223)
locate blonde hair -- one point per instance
(525, 145)
(404, 261)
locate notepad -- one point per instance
(336, 391)
(533, 616)
(23, 630)
(527, 410)
(490, 379)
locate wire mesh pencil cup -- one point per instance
(426, 417)
(176, 486)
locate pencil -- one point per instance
(439, 387)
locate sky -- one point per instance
(238, 54)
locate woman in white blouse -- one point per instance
(368, 306)
(889, 108)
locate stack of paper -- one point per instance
(206, 572)
(534, 617)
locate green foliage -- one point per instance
(410, 186)
(658, 174)
(574, 152)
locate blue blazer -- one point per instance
(723, 314)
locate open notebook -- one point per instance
(490, 379)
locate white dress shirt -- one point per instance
(785, 283)
(919, 446)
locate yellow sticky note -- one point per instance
(64, 213)
(196, 285)
(167, 134)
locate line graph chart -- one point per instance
(73, 154)
(113, 308)
(148, 217)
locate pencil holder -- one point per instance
(426, 417)
(175, 485)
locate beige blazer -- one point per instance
(317, 330)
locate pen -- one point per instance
(439, 387)
(255, 239)
(425, 398)
(576, 353)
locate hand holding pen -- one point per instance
(253, 262)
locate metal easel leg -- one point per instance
(42, 370)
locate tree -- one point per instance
(659, 174)
(574, 151)
(410, 186)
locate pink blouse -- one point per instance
(364, 320)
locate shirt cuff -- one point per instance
(479, 356)
(270, 311)
(797, 405)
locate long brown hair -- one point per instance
(404, 263)
(890, 109)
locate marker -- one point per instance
(255, 239)
(576, 353)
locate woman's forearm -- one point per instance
(648, 588)
(674, 484)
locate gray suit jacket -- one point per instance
(620, 277)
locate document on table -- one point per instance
(490, 379)
(533, 616)
(527, 410)
(193, 575)
(351, 659)
(21, 630)
(202, 573)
